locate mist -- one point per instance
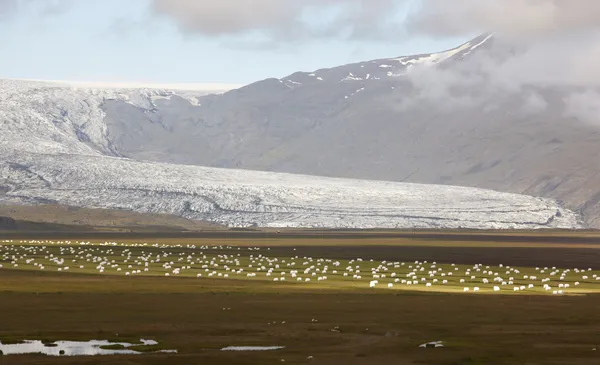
(537, 45)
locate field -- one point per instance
(356, 308)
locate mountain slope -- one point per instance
(369, 120)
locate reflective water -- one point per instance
(252, 348)
(73, 348)
(433, 344)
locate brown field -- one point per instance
(375, 327)
(65, 218)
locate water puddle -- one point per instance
(252, 348)
(77, 348)
(434, 344)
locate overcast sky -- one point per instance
(196, 41)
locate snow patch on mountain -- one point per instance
(61, 118)
(433, 58)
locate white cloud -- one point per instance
(284, 20)
(584, 106)
(510, 17)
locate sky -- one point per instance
(201, 41)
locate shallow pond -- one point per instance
(434, 344)
(252, 348)
(75, 348)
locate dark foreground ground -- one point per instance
(374, 327)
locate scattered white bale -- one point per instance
(496, 288)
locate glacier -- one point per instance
(242, 198)
(44, 116)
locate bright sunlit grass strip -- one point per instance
(255, 264)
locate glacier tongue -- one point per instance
(244, 198)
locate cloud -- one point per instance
(509, 17)
(54, 7)
(539, 44)
(284, 20)
(10, 8)
(584, 106)
(534, 104)
(300, 20)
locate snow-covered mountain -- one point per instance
(140, 148)
(384, 69)
(67, 117)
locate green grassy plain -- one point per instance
(336, 321)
